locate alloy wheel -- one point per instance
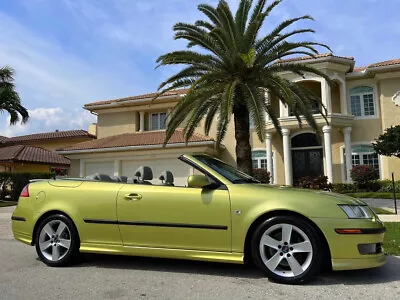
(55, 240)
(286, 250)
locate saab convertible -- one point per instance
(220, 215)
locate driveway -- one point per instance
(23, 276)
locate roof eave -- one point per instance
(115, 104)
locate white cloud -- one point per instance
(49, 119)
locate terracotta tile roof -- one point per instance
(385, 63)
(138, 97)
(48, 136)
(300, 58)
(148, 138)
(30, 154)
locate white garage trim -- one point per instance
(146, 147)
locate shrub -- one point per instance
(387, 186)
(12, 183)
(315, 183)
(364, 173)
(262, 175)
(344, 188)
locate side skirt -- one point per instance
(223, 257)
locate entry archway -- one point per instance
(307, 156)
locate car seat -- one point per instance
(144, 174)
(167, 178)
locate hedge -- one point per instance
(12, 183)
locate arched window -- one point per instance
(364, 155)
(259, 158)
(362, 101)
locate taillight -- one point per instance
(25, 191)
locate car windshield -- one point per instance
(229, 172)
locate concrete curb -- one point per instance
(389, 218)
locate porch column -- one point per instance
(328, 152)
(141, 121)
(117, 164)
(81, 168)
(269, 155)
(326, 95)
(287, 156)
(347, 147)
(343, 98)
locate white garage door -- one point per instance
(180, 170)
(104, 167)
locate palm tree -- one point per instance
(9, 98)
(234, 69)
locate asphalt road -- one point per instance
(23, 276)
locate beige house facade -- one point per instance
(361, 103)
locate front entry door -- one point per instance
(174, 217)
(307, 163)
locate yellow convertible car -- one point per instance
(221, 215)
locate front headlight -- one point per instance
(357, 211)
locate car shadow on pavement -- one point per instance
(390, 272)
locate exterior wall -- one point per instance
(33, 168)
(110, 124)
(390, 117)
(93, 129)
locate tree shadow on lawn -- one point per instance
(388, 273)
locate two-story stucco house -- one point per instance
(361, 104)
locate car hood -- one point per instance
(305, 194)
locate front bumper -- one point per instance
(346, 253)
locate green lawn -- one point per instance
(392, 238)
(381, 211)
(374, 195)
(8, 203)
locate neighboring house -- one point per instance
(361, 104)
(23, 158)
(35, 152)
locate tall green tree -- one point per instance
(9, 98)
(388, 144)
(231, 70)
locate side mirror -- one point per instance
(197, 181)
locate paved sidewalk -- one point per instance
(389, 218)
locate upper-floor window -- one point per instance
(158, 121)
(362, 101)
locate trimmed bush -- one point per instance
(12, 183)
(387, 186)
(364, 173)
(262, 175)
(343, 188)
(314, 183)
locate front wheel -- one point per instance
(287, 249)
(57, 241)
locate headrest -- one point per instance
(144, 173)
(167, 177)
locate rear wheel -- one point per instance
(57, 241)
(287, 249)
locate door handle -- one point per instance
(133, 196)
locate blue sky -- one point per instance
(70, 52)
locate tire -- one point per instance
(57, 241)
(289, 261)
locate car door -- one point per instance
(174, 217)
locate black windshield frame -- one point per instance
(230, 173)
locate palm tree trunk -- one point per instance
(242, 136)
